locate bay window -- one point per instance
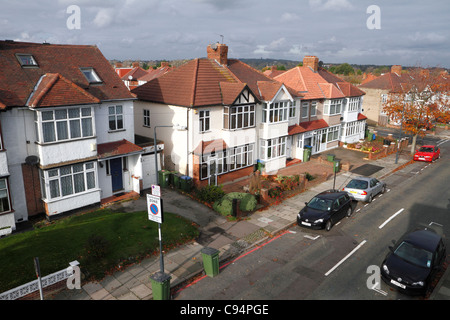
(4, 196)
(332, 107)
(239, 117)
(68, 180)
(273, 148)
(276, 111)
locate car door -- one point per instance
(437, 152)
(335, 211)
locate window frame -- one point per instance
(68, 124)
(273, 148)
(23, 64)
(116, 115)
(52, 178)
(238, 118)
(146, 117)
(8, 198)
(204, 121)
(93, 77)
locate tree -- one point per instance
(418, 100)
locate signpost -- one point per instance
(160, 281)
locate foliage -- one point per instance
(288, 182)
(344, 69)
(309, 177)
(418, 102)
(210, 194)
(225, 205)
(130, 236)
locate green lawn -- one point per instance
(129, 236)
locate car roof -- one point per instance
(423, 238)
(363, 178)
(331, 194)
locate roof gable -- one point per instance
(55, 90)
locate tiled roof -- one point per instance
(389, 81)
(307, 126)
(155, 73)
(202, 82)
(361, 116)
(318, 85)
(55, 90)
(116, 148)
(17, 82)
(135, 73)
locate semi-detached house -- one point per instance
(67, 131)
(237, 116)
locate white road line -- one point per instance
(391, 217)
(378, 290)
(311, 237)
(345, 258)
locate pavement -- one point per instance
(230, 238)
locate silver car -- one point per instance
(365, 188)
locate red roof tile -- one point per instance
(116, 148)
(55, 90)
(307, 126)
(318, 85)
(135, 74)
(390, 81)
(17, 82)
(361, 116)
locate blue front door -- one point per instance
(116, 174)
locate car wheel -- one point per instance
(349, 212)
(328, 225)
(383, 190)
(370, 199)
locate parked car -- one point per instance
(412, 264)
(364, 188)
(427, 153)
(325, 209)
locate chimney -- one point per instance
(218, 52)
(312, 62)
(396, 69)
(164, 64)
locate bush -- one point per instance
(96, 246)
(225, 205)
(210, 193)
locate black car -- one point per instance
(325, 209)
(413, 262)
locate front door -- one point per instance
(116, 174)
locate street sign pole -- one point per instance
(37, 268)
(161, 258)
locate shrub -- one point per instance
(210, 193)
(309, 177)
(225, 205)
(96, 246)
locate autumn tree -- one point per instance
(421, 97)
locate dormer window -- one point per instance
(26, 60)
(91, 75)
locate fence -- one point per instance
(33, 286)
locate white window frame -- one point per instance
(276, 111)
(4, 194)
(146, 118)
(353, 104)
(91, 75)
(333, 133)
(273, 148)
(313, 112)
(84, 114)
(204, 121)
(116, 117)
(26, 60)
(305, 107)
(52, 185)
(332, 107)
(239, 117)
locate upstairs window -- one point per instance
(26, 60)
(204, 120)
(91, 75)
(115, 118)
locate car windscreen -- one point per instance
(320, 204)
(426, 149)
(414, 255)
(358, 184)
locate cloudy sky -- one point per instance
(406, 32)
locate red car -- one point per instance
(427, 153)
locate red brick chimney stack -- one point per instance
(312, 62)
(218, 52)
(396, 69)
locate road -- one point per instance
(316, 265)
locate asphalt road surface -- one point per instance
(316, 265)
